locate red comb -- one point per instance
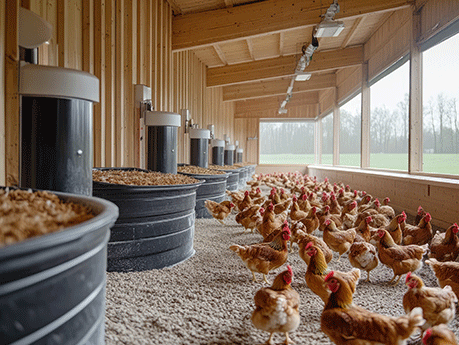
(427, 217)
(419, 209)
(368, 219)
(329, 275)
(304, 197)
(427, 335)
(408, 275)
(295, 198)
(327, 222)
(309, 245)
(246, 193)
(289, 268)
(231, 204)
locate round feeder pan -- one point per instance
(155, 228)
(52, 287)
(242, 177)
(213, 188)
(232, 183)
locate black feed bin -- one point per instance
(229, 154)
(155, 227)
(52, 287)
(239, 154)
(213, 188)
(56, 128)
(162, 140)
(199, 145)
(218, 148)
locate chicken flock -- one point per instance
(322, 218)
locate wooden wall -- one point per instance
(123, 43)
(407, 192)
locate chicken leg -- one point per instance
(270, 340)
(398, 279)
(288, 340)
(264, 277)
(254, 278)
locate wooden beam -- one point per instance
(206, 28)
(270, 103)
(229, 3)
(275, 87)
(175, 7)
(352, 32)
(250, 47)
(220, 54)
(283, 66)
(281, 43)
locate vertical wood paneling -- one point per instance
(11, 117)
(2, 96)
(119, 83)
(128, 121)
(99, 72)
(88, 35)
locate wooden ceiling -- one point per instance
(251, 48)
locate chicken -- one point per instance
(345, 323)
(438, 305)
(282, 207)
(378, 220)
(303, 240)
(270, 222)
(338, 240)
(277, 307)
(303, 203)
(296, 228)
(324, 215)
(255, 193)
(419, 214)
(363, 255)
(335, 207)
(244, 203)
(364, 203)
(445, 246)
(439, 335)
(264, 257)
(363, 231)
(295, 212)
(317, 271)
(447, 273)
(219, 210)
(250, 217)
(387, 210)
(401, 259)
(311, 222)
(420, 234)
(394, 229)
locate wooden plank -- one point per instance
(283, 66)
(415, 102)
(109, 41)
(88, 35)
(268, 88)
(220, 54)
(11, 93)
(99, 72)
(119, 110)
(127, 150)
(2, 96)
(336, 129)
(205, 28)
(269, 103)
(352, 32)
(61, 37)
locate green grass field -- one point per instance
(433, 163)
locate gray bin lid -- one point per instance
(230, 147)
(217, 143)
(199, 133)
(57, 82)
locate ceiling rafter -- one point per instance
(271, 16)
(281, 43)
(277, 87)
(352, 32)
(220, 54)
(283, 66)
(250, 47)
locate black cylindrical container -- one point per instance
(229, 154)
(199, 145)
(239, 153)
(218, 148)
(213, 188)
(155, 227)
(52, 287)
(162, 141)
(56, 128)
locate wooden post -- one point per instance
(365, 124)
(336, 129)
(415, 103)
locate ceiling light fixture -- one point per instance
(302, 76)
(328, 27)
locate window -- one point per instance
(349, 135)
(389, 120)
(287, 142)
(440, 107)
(327, 139)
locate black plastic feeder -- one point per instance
(199, 146)
(162, 140)
(229, 154)
(239, 154)
(155, 228)
(56, 128)
(52, 287)
(218, 148)
(213, 188)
